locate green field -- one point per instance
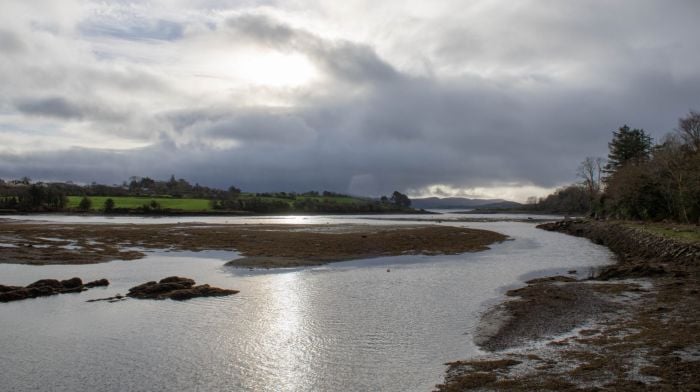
(194, 205)
(130, 202)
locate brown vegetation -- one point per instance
(266, 245)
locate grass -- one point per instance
(183, 204)
(683, 233)
(194, 205)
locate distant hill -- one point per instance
(460, 203)
(501, 205)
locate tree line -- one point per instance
(27, 196)
(23, 195)
(640, 179)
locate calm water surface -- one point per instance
(347, 326)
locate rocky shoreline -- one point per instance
(47, 287)
(635, 326)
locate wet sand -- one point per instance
(266, 246)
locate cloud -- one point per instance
(51, 107)
(137, 30)
(498, 98)
(345, 60)
(10, 42)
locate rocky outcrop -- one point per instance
(47, 287)
(176, 288)
(97, 283)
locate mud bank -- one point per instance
(636, 326)
(267, 246)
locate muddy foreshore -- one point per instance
(265, 246)
(634, 326)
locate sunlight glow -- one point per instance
(271, 69)
(508, 191)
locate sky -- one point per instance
(476, 98)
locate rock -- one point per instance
(46, 287)
(97, 283)
(177, 279)
(116, 298)
(176, 288)
(142, 286)
(621, 271)
(72, 283)
(53, 283)
(548, 279)
(15, 295)
(4, 289)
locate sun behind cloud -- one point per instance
(261, 67)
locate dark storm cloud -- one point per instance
(50, 107)
(412, 134)
(261, 127)
(62, 108)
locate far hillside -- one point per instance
(458, 203)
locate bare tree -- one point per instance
(669, 158)
(590, 171)
(689, 130)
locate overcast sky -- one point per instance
(468, 97)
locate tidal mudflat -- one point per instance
(265, 246)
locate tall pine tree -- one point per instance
(628, 146)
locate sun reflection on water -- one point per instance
(285, 329)
(296, 220)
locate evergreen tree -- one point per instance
(109, 205)
(628, 146)
(85, 204)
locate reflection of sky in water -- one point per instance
(445, 215)
(348, 326)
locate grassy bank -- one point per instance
(684, 233)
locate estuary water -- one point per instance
(349, 326)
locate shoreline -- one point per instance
(260, 245)
(636, 326)
(174, 213)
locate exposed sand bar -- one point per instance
(266, 246)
